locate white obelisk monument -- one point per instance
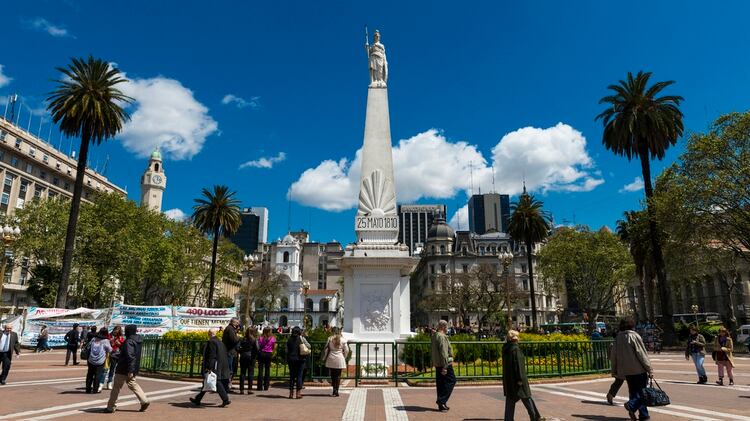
(376, 269)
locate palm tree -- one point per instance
(86, 103)
(216, 213)
(529, 224)
(638, 123)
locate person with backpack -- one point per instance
(128, 367)
(72, 341)
(266, 347)
(98, 349)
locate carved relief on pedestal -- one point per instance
(375, 308)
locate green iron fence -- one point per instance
(401, 361)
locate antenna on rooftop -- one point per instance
(493, 178)
(471, 172)
(289, 212)
(49, 134)
(104, 167)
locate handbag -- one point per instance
(209, 382)
(85, 351)
(304, 350)
(654, 396)
(713, 355)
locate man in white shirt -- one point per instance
(8, 345)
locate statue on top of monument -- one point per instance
(378, 62)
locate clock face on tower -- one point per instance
(156, 179)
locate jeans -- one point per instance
(247, 368)
(112, 366)
(222, 385)
(445, 383)
(71, 351)
(295, 374)
(510, 408)
(616, 385)
(698, 361)
(92, 377)
(232, 360)
(636, 383)
(120, 380)
(42, 345)
(264, 370)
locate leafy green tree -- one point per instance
(86, 103)
(43, 284)
(216, 213)
(634, 231)
(594, 266)
(529, 224)
(640, 124)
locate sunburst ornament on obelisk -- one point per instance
(376, 268)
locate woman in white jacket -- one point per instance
(334, 355)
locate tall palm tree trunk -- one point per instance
(212, 285)
(531, 285)
(665, 298)
(70, 234)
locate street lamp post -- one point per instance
(506, 259)
(249, 260)
(305, 290)
(9, 236)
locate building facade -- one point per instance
(32, 169)
(153, 183)
(252, 232)
(415, 221)
(489, 212)
(448, 253)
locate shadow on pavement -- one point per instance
(188, 405)
(597, 403)
(412, 408)
(598, 417)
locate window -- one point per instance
(2, 155)
(481, 251)
(286, 257)
(38, 191)
(442, 249)
(432, 269)
(7, 188)
(18, 143)
(67, 186)
(3, 134)
(22, 191)
(9, 266)
(45, 159)
(52, 194)
(43, 175)
(465, 268)
(32, 151)
(69, 171)
(156, 167)
(432, 249)
(14, 162)
(55, 181)
(442, 268)
(523, 268)
(24, 271)
(29, 168)
(57, 166)
(525, 284)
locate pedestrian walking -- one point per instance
(128, 367)
(9, 345)
(515, 383)
(630, 361)
(231, 339)
(442, 360)
(216, 360)
(696, 349)
(267, 346)
(618, 381)
(99, 348)
(116, 340)
(42, 340)
(72, 342)
(295, 360)
(334, 358)
(248, 351)
(723, 347)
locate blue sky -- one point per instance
(472, 86)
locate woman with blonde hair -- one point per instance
(334, 358)
(723, 355)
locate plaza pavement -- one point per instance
(40, 387)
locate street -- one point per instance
(41, 387)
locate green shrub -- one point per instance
(416, 354)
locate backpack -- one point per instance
(86, 351)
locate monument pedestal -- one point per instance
(376, 293)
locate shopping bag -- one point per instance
(209, 382)
(654, 396)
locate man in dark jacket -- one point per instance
(8, 346)
(215, 361)
(231, 339)
(128, 366)
(72, 340)
(515, 383)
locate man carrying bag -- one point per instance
(216, 370)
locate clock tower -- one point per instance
(153, 183)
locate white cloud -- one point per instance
(460, 219)
(635, 185)
(41, 24)
(176, 214)
(265, 162)
(239, 102)
(4, 79)
(167, 116)
(429, 165)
